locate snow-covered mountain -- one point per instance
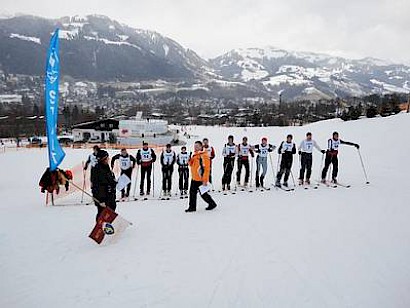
(95, 47)
(306, 73)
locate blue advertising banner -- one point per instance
(55, 152)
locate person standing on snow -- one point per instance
(287, 149)
(92, 161)
(168, 159)
(331, 156)
(305, 152)
(200, 166)
(183, 170)
(127, 164)
(229, 153)
(263, 149)
(211, 152)
(146, 158)
(104, 183)
(243, 150)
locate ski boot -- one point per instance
(334, 181)
(285, 184)
(307, 182)
(277, 183)
(141, 193)
(300, 182)
(261, 180)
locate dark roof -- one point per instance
(103, 125)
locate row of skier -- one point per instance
(242, 153)
(104, 183)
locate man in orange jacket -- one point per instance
(200, 164)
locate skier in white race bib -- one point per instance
(331, 156)
(287, 149)
(305, 152)
(146, 158)
(263, 149)
(183, 170)
(168, 159)
(127, 164)
(229, 153)
(244, 151)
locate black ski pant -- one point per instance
(331, 159)
(285, 167)
(126, 191)
(228, 169)
(241, 163)
(193, 191)
(183, 177)
(167, 177)
(109, 202)
(146, 170)
(305, 165)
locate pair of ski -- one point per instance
(308, 186)
(284, 188)
(141, 198)
(173, 197)
(333, 185)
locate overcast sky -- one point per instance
(351, 28)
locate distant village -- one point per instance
(22, 107)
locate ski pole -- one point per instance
(251, 171)
(153, 180)
(175, 183)
(82, 193)
(136, 182)
(235, 174)
(271, 164)
(364, 169)
(321, 165)
(293, 178)
(300, 169)
(224, 174)
(330, 171)
(88, 194)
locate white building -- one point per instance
(138, 130)
(96, 131)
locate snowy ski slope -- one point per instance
(330, 247)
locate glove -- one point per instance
(323, 151)
(357, 146)
(300, 152)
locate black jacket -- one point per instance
(104, 183)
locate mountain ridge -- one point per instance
(95, 47)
